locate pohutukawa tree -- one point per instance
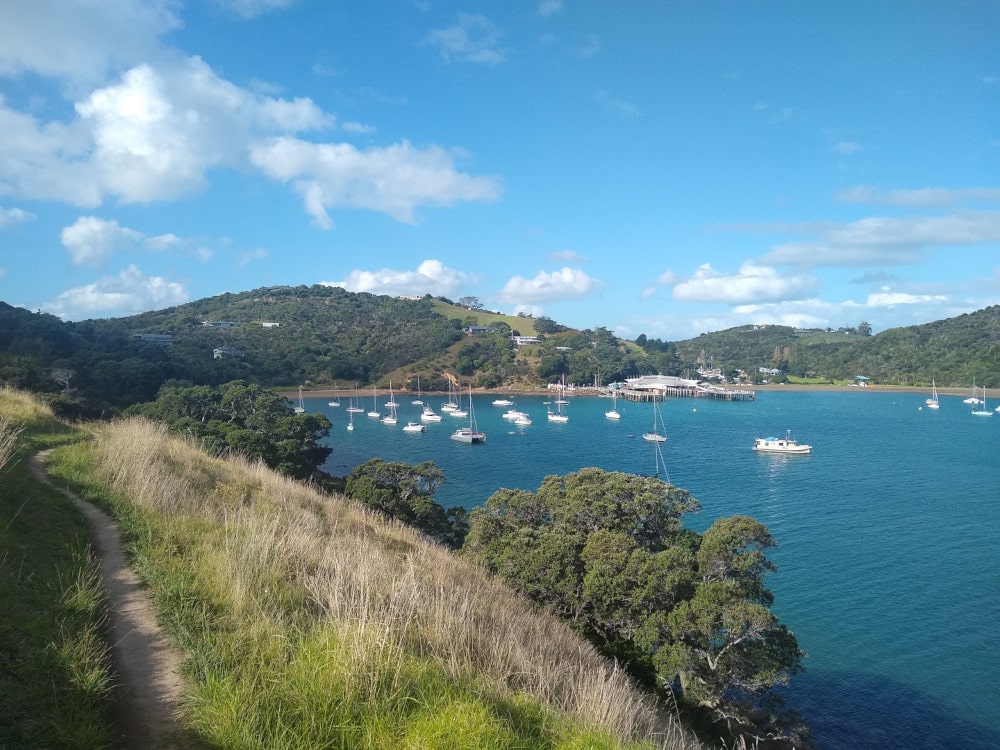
(687, 612)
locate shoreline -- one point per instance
(589, 392)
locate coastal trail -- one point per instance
(147, 666)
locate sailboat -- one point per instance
(374, 413)
(932, 402)
(655, 436)
(613, 412)
(470, 434)
(458, 411)
(300, 408)
(450, 404)
(972, 398)
(335, 401)
(418, 401)
(390, 418)
(561, 401)
(982, 411)
(557, 415)
(350, 420)
(391, 403)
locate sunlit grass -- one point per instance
(307, 622)
(55, 675)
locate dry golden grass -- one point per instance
(290, 554)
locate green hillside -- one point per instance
(325, 337)
(952, 352)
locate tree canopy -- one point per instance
(687, 612)
(246, 419)
(405, 492)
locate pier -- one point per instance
(714, 394)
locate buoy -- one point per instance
(695, 409)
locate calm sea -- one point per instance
(888, 534)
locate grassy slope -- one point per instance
(309, 623)
(55, 678)
(484, 317)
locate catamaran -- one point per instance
(470, 434)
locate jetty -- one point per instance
(661, 387)
(714, 394)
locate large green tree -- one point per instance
(244, 418)
(686, 611)
(406, 493)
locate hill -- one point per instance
(324, 337)
(953, 352)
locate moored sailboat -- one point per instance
(470, 434)
(932, 402)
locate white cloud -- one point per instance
(549, 7)
(91, 241)
(617, 106)
(163, 242)
(566, 283)
(473, 39)
(891, 299)
(394, 180)
(127, 293)
(82, 40)
(846, 148)
(920, 197)
(431, 277)
(150, 136)
(565, 256)
(752, 283)
(156, 134)
(887, 240)
(667, 278)
(534, 311)
(11, 216)
(248, 9)
(249, 256)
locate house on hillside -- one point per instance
(478, 330)
(227, 351)
(525, 340)
(167, 339)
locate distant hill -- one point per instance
(326, 337)
(952, 352)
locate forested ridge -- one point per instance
(325, 337)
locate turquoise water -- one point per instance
(888, 534)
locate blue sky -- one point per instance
(667, 168)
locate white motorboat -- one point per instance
(781, 445)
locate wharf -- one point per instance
(715, 394)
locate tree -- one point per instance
(684, 611)
(864, 328)
(245, 419)
(405, 492)
(472, 303)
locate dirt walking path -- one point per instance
(149, 685)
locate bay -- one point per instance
(888, 533)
